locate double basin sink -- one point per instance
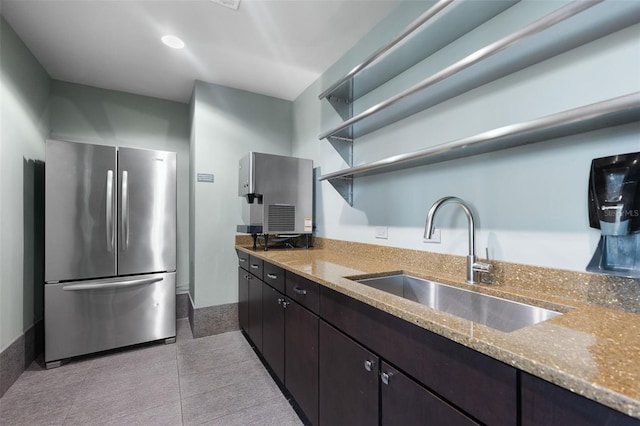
(495, 312)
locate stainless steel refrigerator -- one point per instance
(110, 248)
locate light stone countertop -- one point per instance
(591, 350)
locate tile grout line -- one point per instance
(179, 385)
(239, 411)
(71, 405)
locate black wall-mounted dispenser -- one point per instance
(614, 208)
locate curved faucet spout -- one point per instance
(428, 229)
(472, 265)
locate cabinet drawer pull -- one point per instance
(300, 290)
(368, 365)
(386, 377)
(254, 266)
(249, 277)
(280, 301)
(272, 276)
(242, 259)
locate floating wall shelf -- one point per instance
(440, 25)
(577, 23)
(571, 26)
(612, 112)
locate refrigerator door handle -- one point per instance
(125, 210)
(109, 285)
(110, 230)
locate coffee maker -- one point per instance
(614, 208)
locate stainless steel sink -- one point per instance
(495, 312)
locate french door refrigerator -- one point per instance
(110, 248)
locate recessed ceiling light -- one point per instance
(172, 41)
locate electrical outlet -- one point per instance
(435, 237)
(382, 232)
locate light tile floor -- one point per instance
(215, 380)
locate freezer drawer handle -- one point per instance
(102, 286)
(110, 234)
(125, 209)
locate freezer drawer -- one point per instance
(89, 316)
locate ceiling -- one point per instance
(272, 47)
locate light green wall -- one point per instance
(24, 125)
(227, 124)
(90, 115)
(530, 202)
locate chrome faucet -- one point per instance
(473, 268)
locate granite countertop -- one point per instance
(591, 350)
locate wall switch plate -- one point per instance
(382, 232)
(435, 237)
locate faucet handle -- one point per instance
(484, 269)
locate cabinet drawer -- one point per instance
(303, 291)
(256, 266)
(243, 260)
(478, 384)
(274, 276)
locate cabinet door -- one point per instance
(301, 358)
(273, 329)
(405, 402)
(243, 299)
(348, 380)
(544, 403)
(479, 385)
(255, 311)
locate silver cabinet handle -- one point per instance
(125, 210)
(110, 234)
(272, 276)
(386, 377)
(110, 285)
(242, 259)
(254, 266)
(285, 304)
(280, 301)
(249, 277)
(300, 290)
(368, 365)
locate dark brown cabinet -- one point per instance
(405, 402)
(243, 298)
(544, 403)
(255, 311)
(301, 358)
(243, 290)
(274, 276)
(348, 380)
(347, 363)
(254, 301)
(478, 385)
(286, 334)
(273, 329)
